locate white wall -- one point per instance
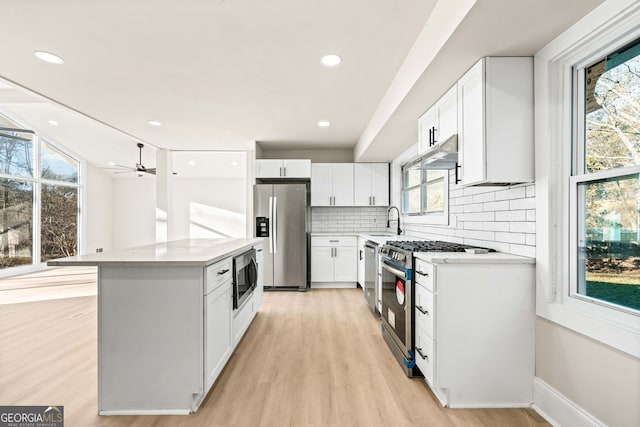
(317, 155)
(208, 207)
(98, 225)
(134, 211)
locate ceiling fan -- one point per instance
(140, 170)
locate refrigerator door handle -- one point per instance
(270, 224)
(275, 225)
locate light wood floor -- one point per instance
(314, 358)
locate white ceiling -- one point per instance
(221, 74)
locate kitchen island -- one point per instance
(166, 326)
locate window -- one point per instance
(605, 182)
(39, 193)
(425, 192)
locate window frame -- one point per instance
(437, 218)
(40, 138)
(607, 28)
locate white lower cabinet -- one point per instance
(334, 261)
(474, 331)
(217, 330)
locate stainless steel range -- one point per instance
(397, 293)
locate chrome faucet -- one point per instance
(389, 221)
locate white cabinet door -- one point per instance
(217, 330)
(342, 184)
(447, 115)
(471, 135)
(495, 122)
(321, 184)
(426, 123)
(268, 168)
(380, 184)
(322, 264)
(345, 264)
(298, 168)
(363, 184)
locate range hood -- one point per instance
(441, 156)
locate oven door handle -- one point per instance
(395, 271)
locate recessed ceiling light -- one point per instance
(111, 163)
(323, 123)
(331, 60)
(154, 123)
(53, 123)
(192, 163)
(234, 163)
(48, 57)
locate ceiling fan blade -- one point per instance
(124, 172)
(152, 171)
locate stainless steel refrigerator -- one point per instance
(281, 213)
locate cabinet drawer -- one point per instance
(425, 274)
(334, 241)
(425, 355)
(218, 274)
(424, 310)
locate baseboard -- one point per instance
(333, 285)
(558, 409)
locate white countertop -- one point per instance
(466, 258)
(187, 252)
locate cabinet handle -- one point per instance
(334, 241)
(422, 310)
(434, 136)
(458, 168)
(221, 272)
(374, 200)
(422, 273)
(430, 136)
(419, 350)
(360, 255)
(284, 169)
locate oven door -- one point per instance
(397, 303)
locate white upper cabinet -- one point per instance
(279, 168)
(372, 184)
(332, 184)
(439, 122)
(495, 122)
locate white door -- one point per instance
(268, 168)
(217, 332)
(447, 115)
(343, 194)
(297, 168)
(321, 184)
(380, 184)
(346, 264)
(471, 130)
(363, 182)
(322, 264)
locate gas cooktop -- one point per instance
(430, 246)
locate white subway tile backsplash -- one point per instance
(496, 206)
(474, 207)
(522, 227)
(531, 190)
(483, 197)
(519, 238)
(343, 219)
(511, 216)
(476, 216)
(527, 203)
(531, 215)
(512, 193)
(530, 240)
